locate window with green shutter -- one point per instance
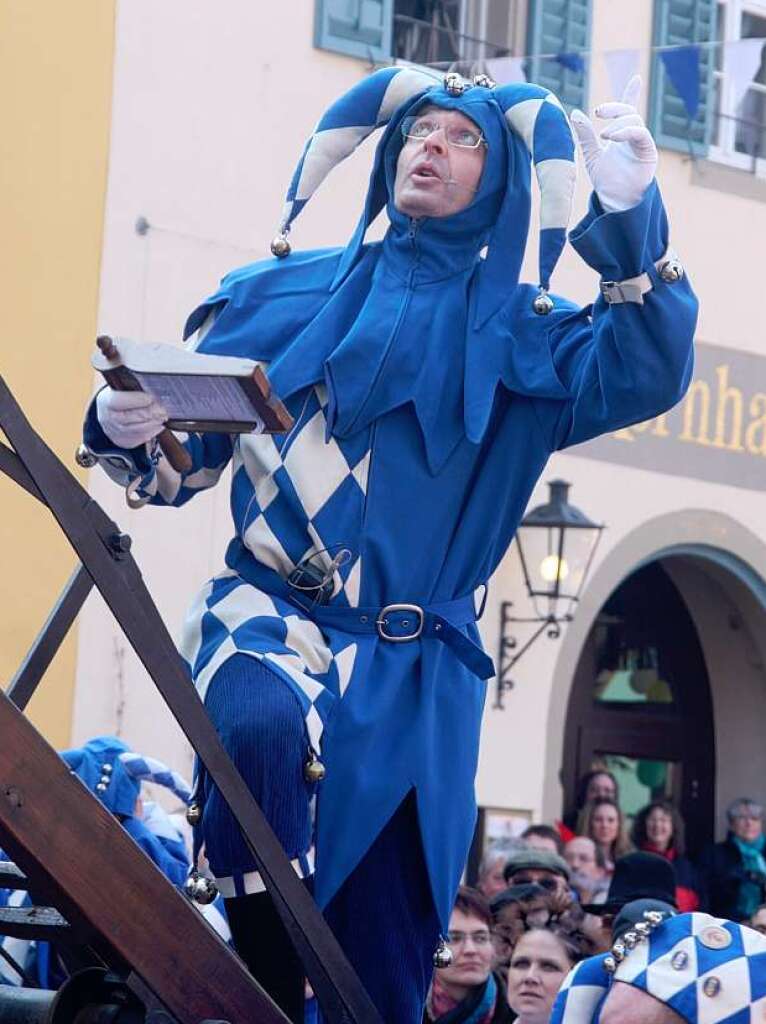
(559, 26)
(360, 28)
(679, 23)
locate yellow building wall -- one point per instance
(55, 105)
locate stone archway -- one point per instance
(719, 568)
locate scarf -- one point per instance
(750, 892)
(477, 1008)
(669, 854)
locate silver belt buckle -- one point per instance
(382, 621)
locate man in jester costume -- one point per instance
(428, 388)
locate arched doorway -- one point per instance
(641, 706)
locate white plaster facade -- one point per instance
(212, 105)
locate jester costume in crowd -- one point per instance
(428, 389)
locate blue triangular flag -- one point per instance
(571, 61)
(682, 64)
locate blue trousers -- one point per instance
(383, 915)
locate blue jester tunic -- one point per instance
(420, 433)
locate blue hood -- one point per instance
(418, 318)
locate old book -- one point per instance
(219, 394)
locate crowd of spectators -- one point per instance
(561, 893)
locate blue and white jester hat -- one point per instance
(530, 112)
(704, 968)
(113, 773)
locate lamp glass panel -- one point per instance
(540, 550)
(578, 548)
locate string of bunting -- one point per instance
(741, 61)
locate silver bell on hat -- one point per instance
(280, 247)
(200, 889)
(543, 303)
(442, 956)
(454, 84)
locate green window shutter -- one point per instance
(559, 26)
(682, 22)
(360, 28)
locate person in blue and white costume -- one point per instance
(113, 773)
(690, 968)
(428, 387)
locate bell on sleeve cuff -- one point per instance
(626, 244)
(121, 464)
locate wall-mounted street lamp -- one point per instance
(556, 544)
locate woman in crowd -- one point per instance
(467, 992)
(541, 960)
(602, 821)
(659, 828)
(596, 784)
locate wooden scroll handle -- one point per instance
(173, 450)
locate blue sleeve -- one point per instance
(173, 868)
(624, 363)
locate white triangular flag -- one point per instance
(505, 70)
(742, 58)
(621, 66)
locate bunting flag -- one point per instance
(506, 70)
(682, 64)
(621, 66)
(742, 59)
(571, 61)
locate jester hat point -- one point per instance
(530, 113)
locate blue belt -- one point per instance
(403, 623)
(394, 623)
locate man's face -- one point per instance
(600, 787)
(435, 178)
(628, 1005)
(535, 842)
(758, 921)
(472, 951)
(747, 823)
(580, 855)
(549, 880)
(493, 882)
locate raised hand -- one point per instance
(622, 167)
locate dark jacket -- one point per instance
(723, 872)
(503, 1013)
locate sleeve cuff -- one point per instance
(625, 244)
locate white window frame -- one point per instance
(731, 12)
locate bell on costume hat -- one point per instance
(313, 769)
(194, 813)
(200, 889)
(280, 247)
(442, 956)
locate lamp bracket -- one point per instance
(509, 651)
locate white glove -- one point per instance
(129, 418)
(622, 170)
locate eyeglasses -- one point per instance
(477, 938)
(549, 884)
(420, 128)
